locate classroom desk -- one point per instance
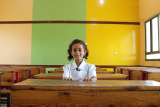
(99, 76)
(32, 70)
(151, 74)
(118, 69)
(125, 69)
(9, 78)
(24, 73)
(135, 74)
(1, 73)
(98, 72)
(100, 93)
(97, 69)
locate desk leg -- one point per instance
(17, 77)
(130, 75)
(38, 70)
(29, 73)
(121, 71)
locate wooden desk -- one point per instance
(34, 69)
(99, 76)
(25, 73)
(135, 74)
(97, 69)
(151, 74)
(118, 70)
(1, 73)
(98, 72)
(100, 93)
(9, 78)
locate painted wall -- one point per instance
(15, 39)
(148, 9)
(50, 42)
(105, 39)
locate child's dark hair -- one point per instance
(70, 57)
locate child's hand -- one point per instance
(90, 79)
(67, 79)
(87, 79)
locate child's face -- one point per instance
(78, 51)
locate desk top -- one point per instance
(59, 76)
(146, 69)
(103, 85)
(9, 70)
(98, 72)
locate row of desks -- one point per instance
(15, 74)
(100, 93)
(141, 73)
(99, 76)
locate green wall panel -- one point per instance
(50, 42)
(59, 10)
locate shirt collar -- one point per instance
(81, 66)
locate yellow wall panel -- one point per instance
(16, 10)
(113, 10)
(103, 40)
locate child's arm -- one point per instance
(92, 73)
(66, 76)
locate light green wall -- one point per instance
(59, 10)
(50, 42)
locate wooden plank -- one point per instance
(118, 69)
(105, 85)
(23, 74)
(135, 73)
(111, 77)
(32, 98)
(48, 76)
(7, 79)
(99, 76)
(122, 93)
(58, 69)
(59, 72)
(96, 69)
(98, 72)
(33, 69)
(5, 91)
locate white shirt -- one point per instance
(86, 71)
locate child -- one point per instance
(79, 69)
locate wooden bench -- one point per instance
(100, 93)
(134, 72)
(6, 94)
(98, 72)
(118, 70)
(33, 69)
(151, 74)
(1, 73)
(99, 76)
(9, 78)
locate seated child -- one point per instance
(79, 69)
